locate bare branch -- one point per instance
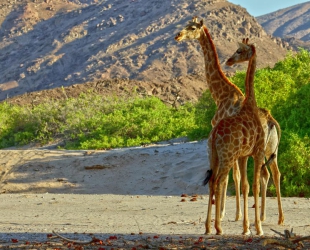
(290, 241)
(73, 241)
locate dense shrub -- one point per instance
(92, 122)
(204, 112)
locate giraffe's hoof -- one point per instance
(219, 232)
(208, 231)
(259, 231)
(246, 232)
(238, 217)
(281, 221)
(263, 217)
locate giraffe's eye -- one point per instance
(239, 51)
(192, 28)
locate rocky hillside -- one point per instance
(45, 44)
(289, 22)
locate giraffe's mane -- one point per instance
(248, 80)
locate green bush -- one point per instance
(92, 122)
(294, 165)
(140, 122)
(204, 112)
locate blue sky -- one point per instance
(261, 7)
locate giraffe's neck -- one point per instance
(220, 87)
(250, 99)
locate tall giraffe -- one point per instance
(228, 98)
(241, 55)
(234, 137)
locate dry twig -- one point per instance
(73, 241)
(290, 239)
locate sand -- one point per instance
(129, 192)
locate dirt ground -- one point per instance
(134, 198)
(37, 221)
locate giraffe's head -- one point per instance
(191, 31)
(243, 53)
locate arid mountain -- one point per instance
(46, 44)
(293, 21)
(296, 43)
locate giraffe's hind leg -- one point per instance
(219, 183)
(264, 178)
(272, 148)
(276, 175)
(208, 220)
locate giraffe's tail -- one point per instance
(208, 177)
(213, 159)
(271, 158)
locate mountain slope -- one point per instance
(289, 22)
(45, 44)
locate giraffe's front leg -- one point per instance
(258, 162)
(236, 176)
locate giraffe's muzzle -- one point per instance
(178, 37)
(229, 62)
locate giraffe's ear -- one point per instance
(201, 22)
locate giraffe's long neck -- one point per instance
(250, 99)
(220, 87)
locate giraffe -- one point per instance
(228, 98)
(271, 150)
(234, 137)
